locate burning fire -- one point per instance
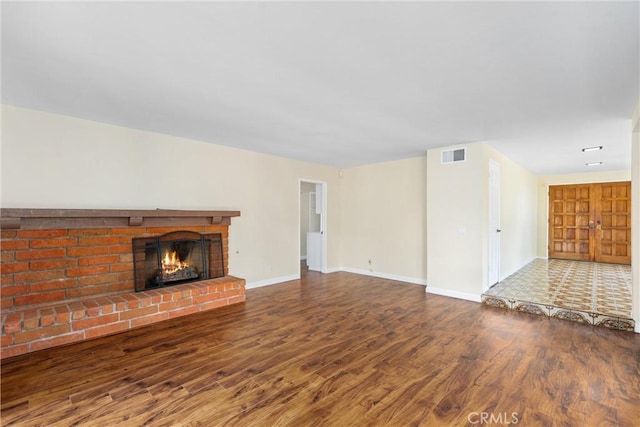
(172, 263)
(174, 269)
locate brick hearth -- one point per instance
(75, 282)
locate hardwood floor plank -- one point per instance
(334, 350)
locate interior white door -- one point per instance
(494, 224)
(314, 251)
(315, 217)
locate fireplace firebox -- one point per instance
(177, 257)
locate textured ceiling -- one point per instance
(336, 83)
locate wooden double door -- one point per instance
(591, 222)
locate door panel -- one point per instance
(590, 222)
(569, 216)
(613, 223)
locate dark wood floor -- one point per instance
(337, 350)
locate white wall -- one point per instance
(383, 220)
(518, 214)
(458, 223)
(543, 197)
(53, 161)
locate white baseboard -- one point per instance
(333, 270)
(637, 327)
(388, 276)
(273, 281)
(453, 294)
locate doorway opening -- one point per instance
(313, 225)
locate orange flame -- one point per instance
(172, 263)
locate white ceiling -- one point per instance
(336, 83)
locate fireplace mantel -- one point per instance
(41, 219)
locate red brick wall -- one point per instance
(62, 286)
(49, 266)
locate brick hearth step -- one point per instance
(33, 328)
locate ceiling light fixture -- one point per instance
(599, 147)
(593, 164)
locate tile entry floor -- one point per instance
(586, 292)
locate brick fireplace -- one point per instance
(68, 275)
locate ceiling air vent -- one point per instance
(455, 155)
